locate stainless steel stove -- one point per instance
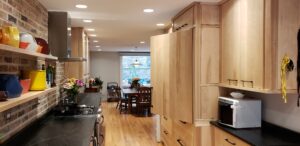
(65, 110)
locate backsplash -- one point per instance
(275, 111)
(28, 15)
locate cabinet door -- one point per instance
(252, 39)
(230, 68)
(210, 55)
(181, 75)
(288, 26)
(157, 78)
(209, 102)
(185, 20)
(222, 138)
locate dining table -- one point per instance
(130, 93)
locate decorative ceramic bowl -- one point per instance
(237, 95)
(28, 42)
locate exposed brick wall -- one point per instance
(28, 15)
(12, 63)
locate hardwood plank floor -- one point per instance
(127, 129)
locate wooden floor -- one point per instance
(126, 129)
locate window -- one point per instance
(135, 66)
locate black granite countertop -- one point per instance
(268, 135)
(59, 131)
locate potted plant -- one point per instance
(135, 83)
(71, 87)
(98, 82)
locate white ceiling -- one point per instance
(120, 25)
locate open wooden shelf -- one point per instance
(26, 52)
(257, 90)
(13, 102)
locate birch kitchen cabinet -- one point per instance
(79, 46)
(222, 138)
(172, 74)
(185, 76)
(159, 74)
(255, 36)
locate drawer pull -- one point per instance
(182, 122)
(243, 81)
(166, 132)
(180, 142)
(232, 80)
(232, 143)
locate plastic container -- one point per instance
(38, 80)
(25, 85)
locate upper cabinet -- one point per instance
(255, 36)
(79, 46)
(184, 19)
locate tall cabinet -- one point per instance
(79, 46)
(185, 74)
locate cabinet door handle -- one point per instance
(180, 142)
(243, 81)
(232, 143)
(231, 80)
(184, 25)
(165, 118)
(166, 132)
(183, 122)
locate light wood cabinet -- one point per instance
(222, 138)
(158, 73)
(79, 46)
(185, 134)
(184, 20)
(186, 90)
(255, 39)
(209, 55)
(181, 75)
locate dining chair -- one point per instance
(111, 91)
(143, 101)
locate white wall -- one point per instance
(279, 113)
(106, 65)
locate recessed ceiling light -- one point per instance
(148, 10)
(92, 35)
(160, 24)
(87, 21)
(99, 49)
(90, 29)
(81, 6)
(97, 46)
(142, 42)
(95, 41)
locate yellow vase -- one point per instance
(10, 36)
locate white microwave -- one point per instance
(240, 113)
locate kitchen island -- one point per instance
(53, 130)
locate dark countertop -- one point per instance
(59, 131)
(268, 135)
